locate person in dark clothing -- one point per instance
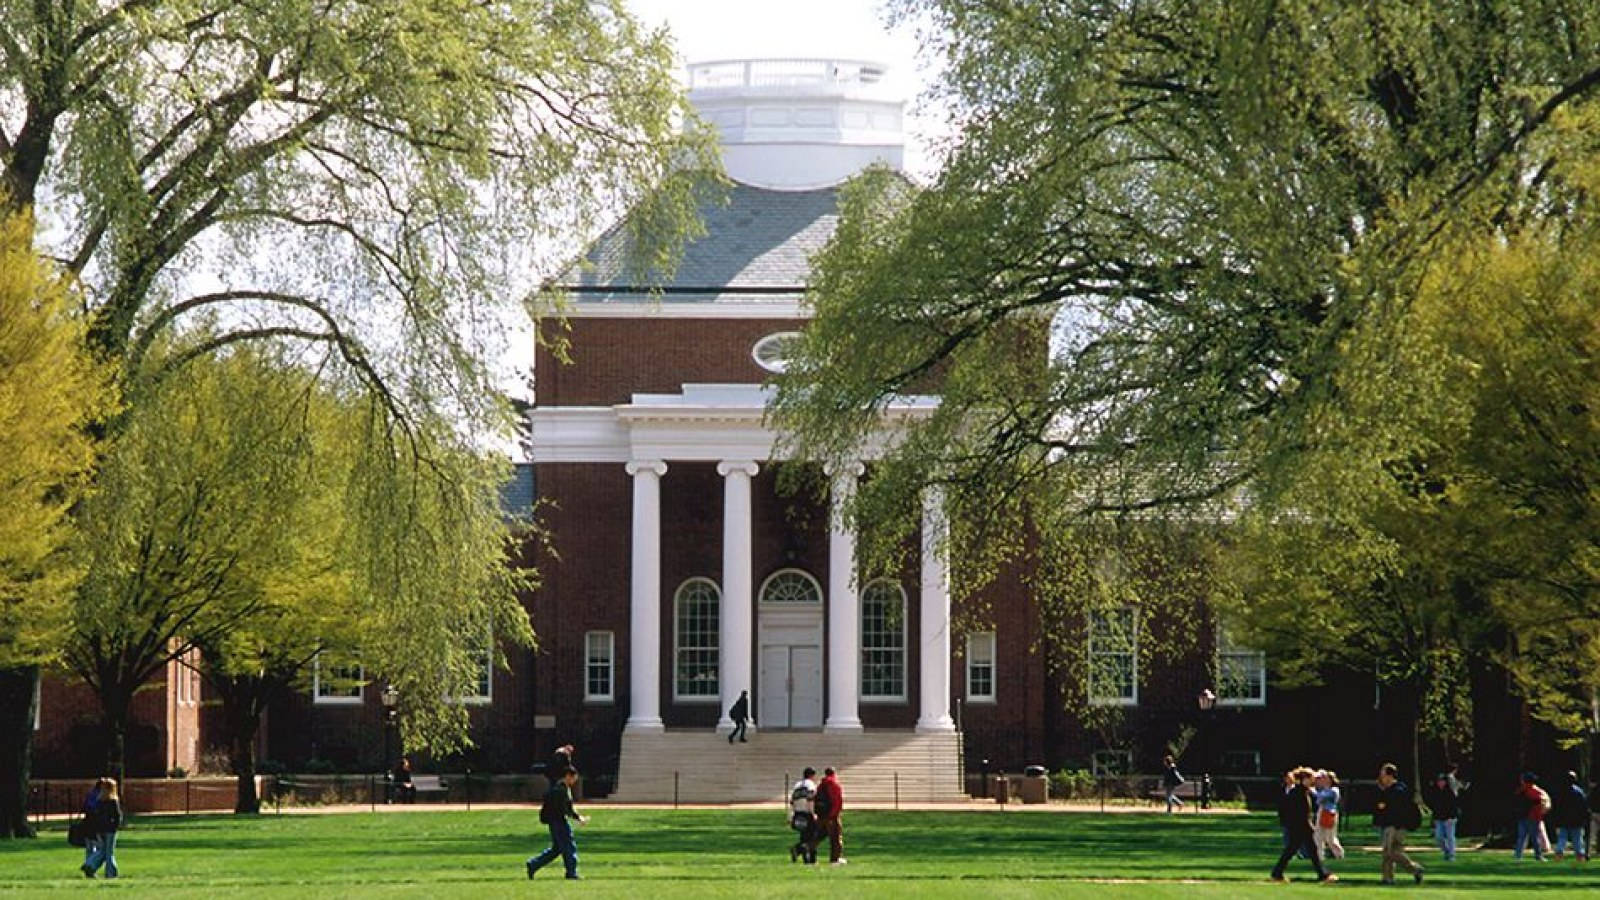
(740, 714)
(89, 804)
(400, 785)
(104, 820)
(555, 812)
(1446, 808)
(1294, 814)
(1171, 780)
(1569, 812)
(1395, 814)
(560, 758)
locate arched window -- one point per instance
(774, 351)
(791, 586)
(883, 641)
(696, 608)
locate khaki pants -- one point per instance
(835, 833)
(1394, 851)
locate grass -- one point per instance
(649, 855)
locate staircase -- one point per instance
(709, 770)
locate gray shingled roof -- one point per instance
(759, 239)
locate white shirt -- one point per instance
(801, 794)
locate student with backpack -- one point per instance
(555, 812)
(1395, 814)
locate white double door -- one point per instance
(791, 669)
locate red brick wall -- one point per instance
(612, 359)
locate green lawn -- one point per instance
(646, 855)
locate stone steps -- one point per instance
(871, 765)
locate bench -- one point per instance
(420, 784)
(1188, 791)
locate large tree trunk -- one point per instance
(115, 706)
(243, 714)
(17, 687)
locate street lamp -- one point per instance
(390, 698)
(1207, 701)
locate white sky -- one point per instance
(851, 29)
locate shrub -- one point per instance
(1068, 784)
(177, 772)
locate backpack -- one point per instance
(1409, 815)
(1544, 798)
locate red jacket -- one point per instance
(831, 797)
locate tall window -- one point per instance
(791, 586)
(1241, 673)
(980, 667)
(883, 641)
(696, 607)
(38, 701)
(480, 690)
(1114, 657)
(334, 682)
(597, 670)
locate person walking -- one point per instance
(104, 820)
(1534, 803)
(86, 824)
(803, 819)
(1569, 813)
(1172, 779)
(829, 803)
(1294, 814)
(1326, 793)
(740, 714)
(1446, 809)
(1396, 813)
(555, 812)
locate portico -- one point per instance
(808, 673)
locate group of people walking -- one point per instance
(102, 817)
(1309, 813)
(814, 808)
(1567, 809)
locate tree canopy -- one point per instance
(1219, 223)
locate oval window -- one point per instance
(772, 352)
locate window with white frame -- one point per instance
(696, 610)
(480, 690)
(1241, 673)
(883, 641)
(597, 669)
(980, 667)
(336, 683)
(1114, 657)
(791, 586)
(38, 700)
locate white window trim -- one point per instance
(861, 644)
(482, 699)
(38, 699)
(611, 667)
(1261, 666)
(677, 644)
(1133, 651)
(767, 582)
(316, 686)
(992, 696)
(777, 337)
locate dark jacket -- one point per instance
(741, 709)
(1294, 810)
(1569, 807)
(106, 817)
(557, 804)
(829, 800)
(1443, 802)
(1394, 808)
(1173, 777)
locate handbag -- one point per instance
(1327, 818)
(78, 832)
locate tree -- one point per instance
(1216, 208)
(383, 179)
(49, 391)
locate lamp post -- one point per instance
(1207, 701)
(391, 710)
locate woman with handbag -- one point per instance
(103, 822)
(1326, 833)
(81, 832)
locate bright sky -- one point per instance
(850, 29)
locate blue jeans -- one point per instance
(105, 851)
(1527, 836)
(1570, 834)
(562, 844)
(1444, 834)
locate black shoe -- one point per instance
(574, 878)
(87, 872)
(743, 741)
(730, 738)
(531, 869)
(794, 854)
(1417, 875)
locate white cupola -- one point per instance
(799, 124)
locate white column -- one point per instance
(644, 628)
(737, 604)
(844, 607)
(935, 625)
